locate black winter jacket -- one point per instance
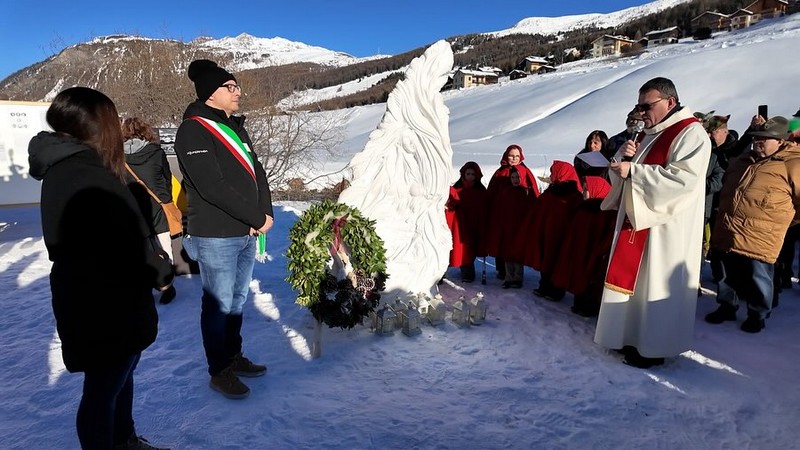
(149, 162)
(104, 264)
(223, 198)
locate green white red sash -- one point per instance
(231, 141)
(626, 259)
(239, 150)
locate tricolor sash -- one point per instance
(626, 259)
(239, 150)
(231, 141)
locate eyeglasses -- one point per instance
(644, 107)
(232, 87)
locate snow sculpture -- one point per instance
(402, 177)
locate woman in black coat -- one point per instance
(104, 262)
(148, 161)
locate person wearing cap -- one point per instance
(758, 201)
(230, 205)
(794, 127)
(658, 190)
(614, 143)
(717, 128)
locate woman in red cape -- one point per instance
(582, 265)
(546, 224)
(499, 214)
(465, 212)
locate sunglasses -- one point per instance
(643, 107)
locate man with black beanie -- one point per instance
(230, 207)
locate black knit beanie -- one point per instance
(207, 77)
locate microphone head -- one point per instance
(637, 127)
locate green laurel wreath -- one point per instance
(310, 238)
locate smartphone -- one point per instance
(763, 111)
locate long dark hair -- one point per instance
(91, 117)
(600, 134)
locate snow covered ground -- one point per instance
(530, 377)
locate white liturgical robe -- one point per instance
(658, 319)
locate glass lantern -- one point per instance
(399, 307)
(436, 310)
(385, 320)
(411, 320)
(477, 309)
(461, 311)
(424, 304)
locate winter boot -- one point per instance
(753, 324)
(243, 367)
(724, 313)
(167, 296)
(137, 443)
(229, 385)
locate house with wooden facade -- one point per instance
(713, 20)
(533, 63)
(768, 9)
(758, 11)
(607, 45)
(464, 78)
(662, 37)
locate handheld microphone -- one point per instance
(633, 132)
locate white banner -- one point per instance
(19, 122)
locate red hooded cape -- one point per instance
(546, 224)
(581, 267)
(465, 212)
(504, 204)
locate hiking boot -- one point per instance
(228, 384)
(724, 313)
(243, 367)
(167, 296)
(138, 443)
(753, 324)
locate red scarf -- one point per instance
(626, 259)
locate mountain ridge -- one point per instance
(271, 69)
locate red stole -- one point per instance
(626, 259)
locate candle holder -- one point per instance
(385, 320)
(436, 310)
(399, 307)
(461, 312)
(411, 320)
(478, 307)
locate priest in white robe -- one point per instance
(658, 187)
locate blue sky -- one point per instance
(32, 30)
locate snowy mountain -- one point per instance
(558, 25)
(252, 52)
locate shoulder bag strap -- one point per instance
(138, 180)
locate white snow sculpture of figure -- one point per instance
(402, 177)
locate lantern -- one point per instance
(424, 304)
(384, 321)
(461, 312)
(436, 310)
(399, 307)
(411, 320)
(477, 309)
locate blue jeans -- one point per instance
(105, 414)
(226, 269)
(749, 280)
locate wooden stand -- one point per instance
(316, 345)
